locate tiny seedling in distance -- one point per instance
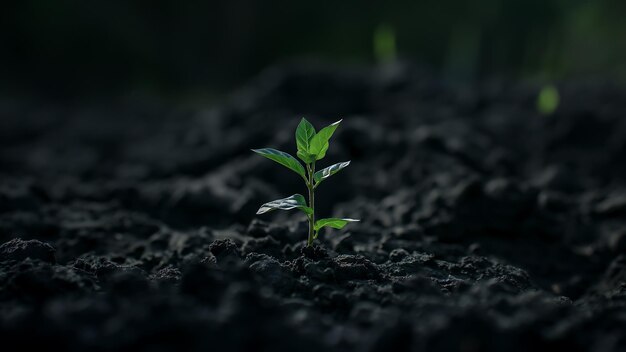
(312, 146)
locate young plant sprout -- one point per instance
(312, 146)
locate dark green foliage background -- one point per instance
(69, 47)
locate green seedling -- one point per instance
(311, 146)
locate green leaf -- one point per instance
(295, 201)
(325, 173)
(306, 157)
(282, 158)
(332, 222)
(319, 143)
(304, 134)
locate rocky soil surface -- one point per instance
(486, 226)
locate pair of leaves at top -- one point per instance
(312, 146)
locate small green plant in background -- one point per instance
(311, 146)
(384, 44)
(548, 100)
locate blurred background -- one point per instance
(77, 48)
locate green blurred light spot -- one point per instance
(548, 100)
(384, 43)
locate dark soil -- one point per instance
(485, 225)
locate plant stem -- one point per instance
(311, 171)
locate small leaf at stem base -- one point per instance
(335, 223)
